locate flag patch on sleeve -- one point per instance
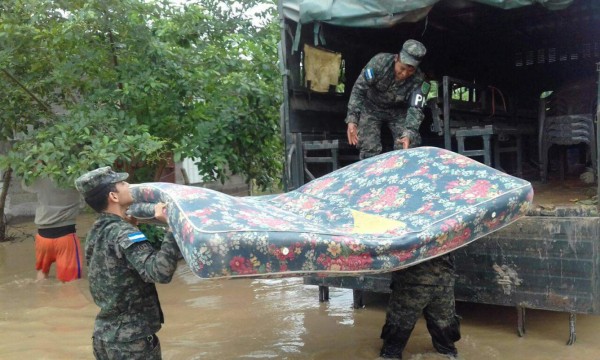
(369, 75)
(136, 237)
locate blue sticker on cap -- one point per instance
(369, 75)
(136, 237)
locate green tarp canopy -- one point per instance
(378, 13)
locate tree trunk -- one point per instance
(164, 165)
(160, 168)
(3, 195)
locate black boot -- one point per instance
(443, 339)
(394, 341)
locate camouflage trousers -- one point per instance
(142, 349)
(407, 303)
(369, 135)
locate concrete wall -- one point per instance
(19, 203)
(236, 185)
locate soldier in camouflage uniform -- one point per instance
(426, 288)
(122, 270)
(381, 95)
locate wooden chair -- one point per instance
(470, 110)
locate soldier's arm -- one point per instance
(368, 77)
(414, 117)
(156, 266)
(357, 98)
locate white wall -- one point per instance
(191, 169)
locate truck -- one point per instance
(514, 85)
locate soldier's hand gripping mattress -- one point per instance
(380, 214)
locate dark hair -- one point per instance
(98, 200)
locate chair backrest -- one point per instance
(471, 104)
(574, 98)
(569, 129)
(565, 117)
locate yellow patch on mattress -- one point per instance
(373, 224)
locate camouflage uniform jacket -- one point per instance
(377, 92)
(122, 270)
(438, 271)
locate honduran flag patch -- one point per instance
(137, 237)
(369, 74)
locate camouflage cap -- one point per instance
(92, 181)
(412, 52)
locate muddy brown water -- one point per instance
(257, 319)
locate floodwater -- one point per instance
(257, 319)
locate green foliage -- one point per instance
(131, 82)
(238, 118)
(154, 233)
(63, 149)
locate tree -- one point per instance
(132, 83)
(240, 126)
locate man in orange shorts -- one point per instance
(56, 240)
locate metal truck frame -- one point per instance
(503, 76)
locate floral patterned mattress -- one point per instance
(377, 215)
